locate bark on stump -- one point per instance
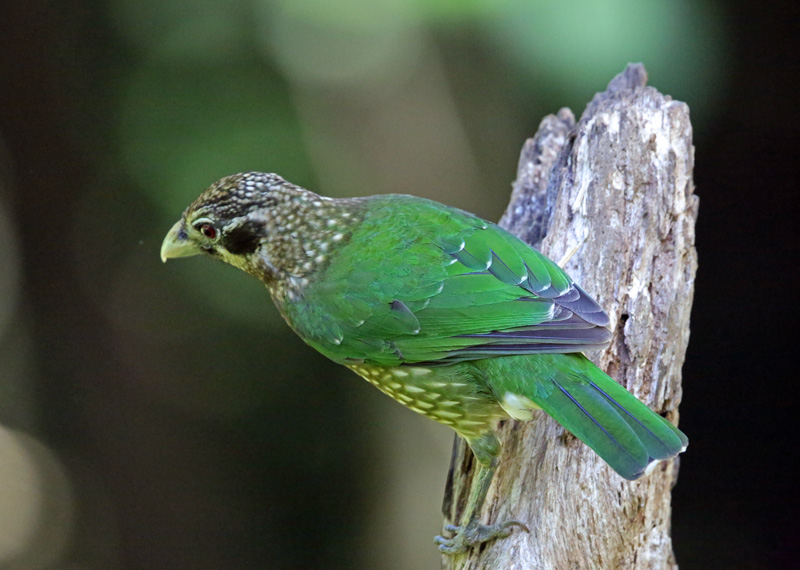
(616, 189)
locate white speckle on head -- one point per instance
(517, 406)
(337, 237)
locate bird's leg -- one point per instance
(471, 531)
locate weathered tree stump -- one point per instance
(616, 190)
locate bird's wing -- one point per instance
(419, 282)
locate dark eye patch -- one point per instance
(244, 238)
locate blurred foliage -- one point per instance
(181, 126)
(570, 48)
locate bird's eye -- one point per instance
(205, 227)
(208, 230)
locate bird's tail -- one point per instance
(581, 397)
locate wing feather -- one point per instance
(421, 282)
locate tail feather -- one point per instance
(598, 411)
(661, 439)
(594, 421)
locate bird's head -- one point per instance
(261, 224)
(229, 221)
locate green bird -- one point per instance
(448, 314)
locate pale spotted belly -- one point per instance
(445, 394)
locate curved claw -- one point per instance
(474, 533)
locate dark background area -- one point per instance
(163, 417)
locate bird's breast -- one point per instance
(446, 394)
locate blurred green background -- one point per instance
(159, 416)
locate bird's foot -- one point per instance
(474, 533)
